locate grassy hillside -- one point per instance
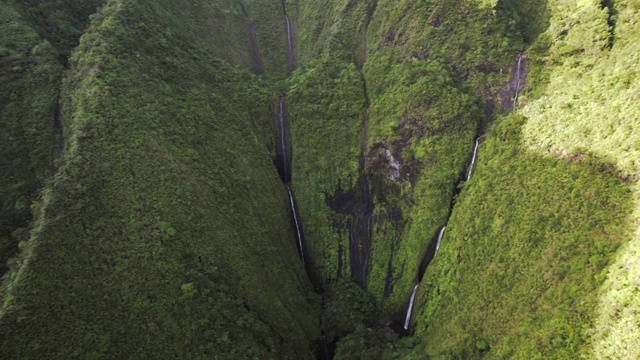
(523, 257)
(588, 104)
(165, 229)
(537, 259)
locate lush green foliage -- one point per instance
(60, 22)
(165, 229)
(588, 104)
(411, 78)
(350, 308)
(523, 255)
(30, 75)
(326, 106)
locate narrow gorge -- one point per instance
(339, 179)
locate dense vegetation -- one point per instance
(520, 277)
(372, 93)
(433, 74)
(30, 74)
(163, 228)
(531, 241)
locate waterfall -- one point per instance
(474, 158)
(407, 319)
(515, 97)
(429, 258)
(440, 236)
(324, 347)
(285, 166)
(291, 58)
(431, 252)
(294, 211)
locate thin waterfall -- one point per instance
(474, 158)
(324, 347)
(256, 60)
(431, 253)
(407, 319)
(440, 236)
(515, 97)
(291, 58)
(294, 211)
(285, 165)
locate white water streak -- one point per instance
(407, 320)
(289, 42)
(282, 137)
(515, 98)
(474, 158)
(440, 236)
(295, 219)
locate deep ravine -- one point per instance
(435, 245)
(256, 60)
(283, 163)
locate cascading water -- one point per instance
(517, 90)
(440, 236)
(474, 158)
(291, 59)
(284, 167)
(296, 220)
(256, 60)
(407, 319)
(431, 253)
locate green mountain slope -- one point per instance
(523, 256)
(30, 72)
(165, 229)
(141, 212)
(536, 262)
(378, 95)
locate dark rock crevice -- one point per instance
(608, 6)
(257, 64)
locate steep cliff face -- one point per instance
(385, 109)
(413, 83)
(165, 228)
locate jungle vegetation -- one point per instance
(141, 213)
